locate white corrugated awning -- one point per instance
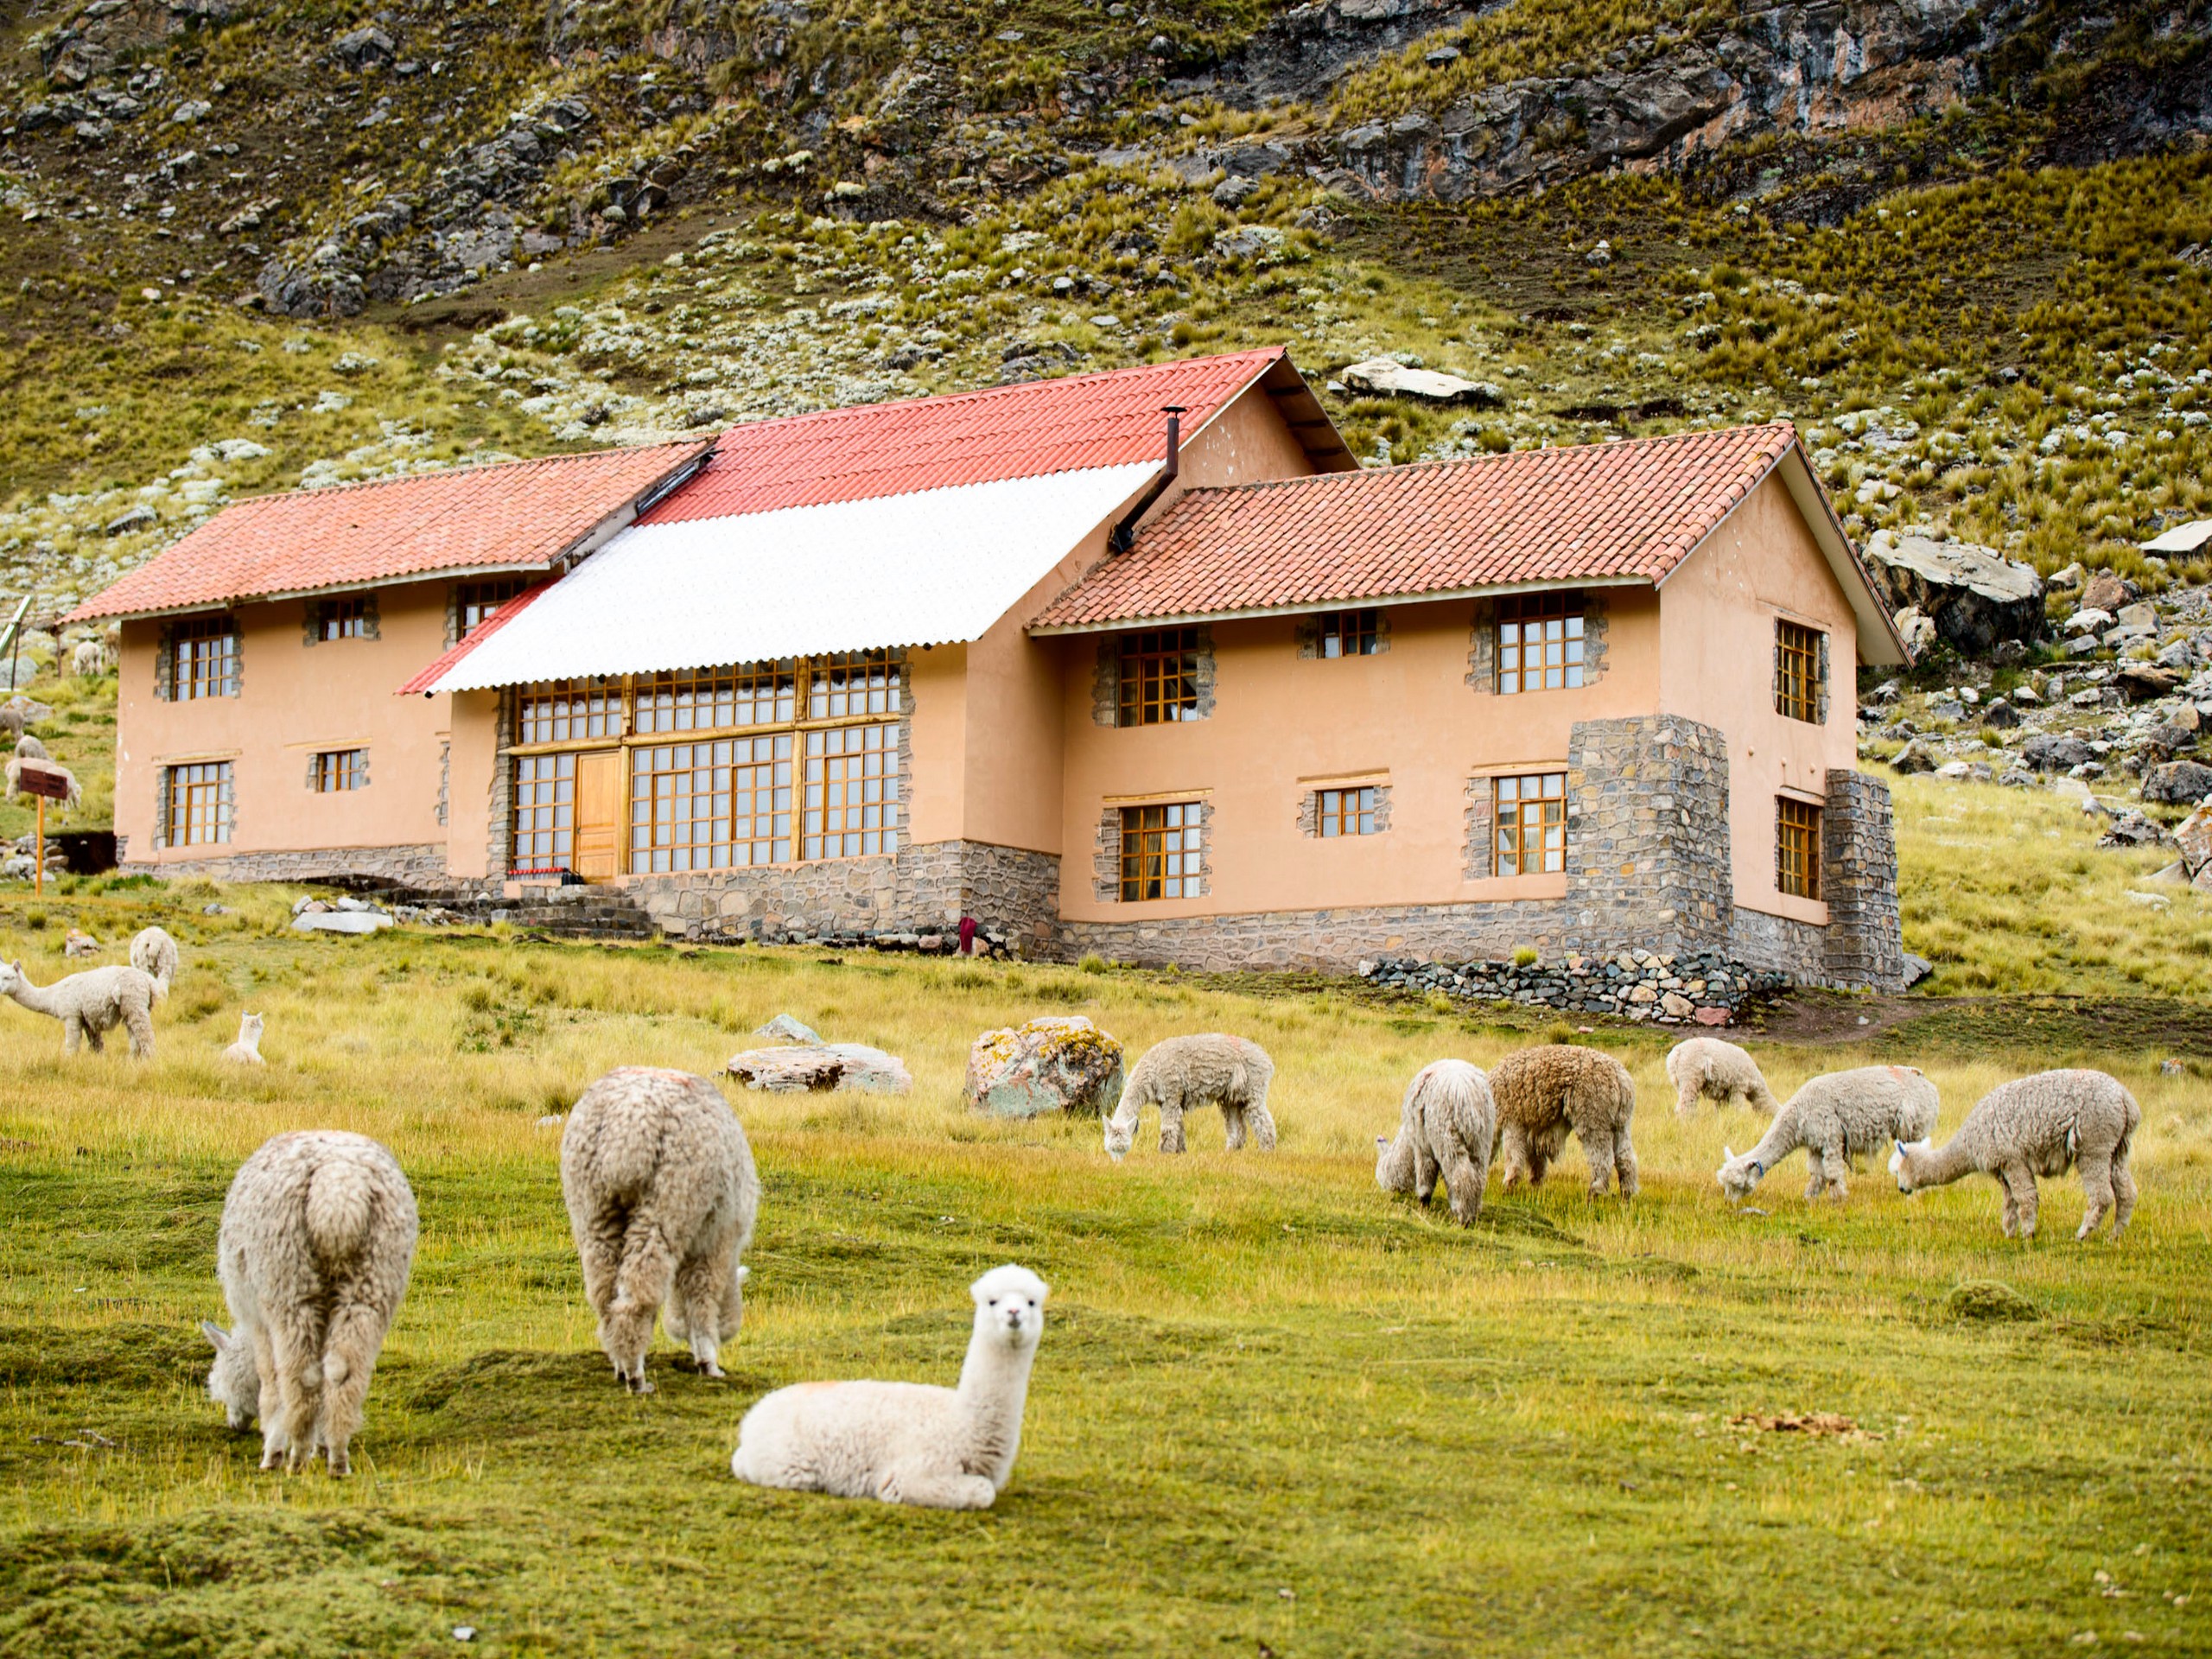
(929, 568)
(2182, 538)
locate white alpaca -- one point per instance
(907, 1442)
(1446, 1125)
(2040, 1125)
(90, 660)
(153, 953)
(1706, 1067)
(662, 1196)
(1183, 1072)
(1836, 1117)
(317, 1240)
(247, 1050)
(90, 1004)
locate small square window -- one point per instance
(476, 602)
(341, 769)
(346, 617)
(1159, 676)
(206, 661)
(1797, 847)
(1347, 634)
(1531, 816)
(1344, 812)
(1539, 642)
(199, 805)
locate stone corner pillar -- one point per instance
(1646, 834)
(1865, 947)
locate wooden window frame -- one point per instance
(541, 811)
(1517, 612)
(205, 661)
(1513, 796)
(199, 793)
(1796, 848)
(851, 799)
(1798, 688)
(343, 616)
(740, 771)
(484, 598)
(339, 771)
(1162, 851)
(1159, 677)
(1347, 634)
(1346, 811)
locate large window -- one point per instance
(852, 791)
(1531, 812)
(341, 769)
(858, 683)
(207, 657)
(545, 812)
(1797, 847)
(713, 805)
(199, 805)
(476, 601)
(1159, 676)
(1539, 642)
(1344, 812)
(1160, 851)
(561, 711)
(1797, 677)
(1347, 634)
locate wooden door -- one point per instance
(598, 855)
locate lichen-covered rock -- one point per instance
(1057, 1064)
(872, 1070)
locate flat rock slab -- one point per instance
(1382, 377)
(816, 1068)
(340, 921)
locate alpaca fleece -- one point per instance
(662, 1196)
(1446, 1125)
(316, 1243)
(1836, 1117)
(907, 1442)
(247, 1050)
(91, 1004)
(154, 953)
(1542, 1093)
(1186, 1072)
(2040, 1125)
(1707, 1068)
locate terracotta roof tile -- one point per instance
(515, 514)
(975, 437)
(1628, 509)
(469, 642)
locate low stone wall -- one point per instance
(1330, 940)
(418, 866)
(1780, 945)
(1701, 987)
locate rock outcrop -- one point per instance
(1973, 596)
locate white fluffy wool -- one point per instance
(1706, 1067)
(1184, 1073)
(1447, 1126)
(907, 1442)
(1836, 1117)
(2040, 1125)
(90, 1004)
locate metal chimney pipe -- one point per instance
(1124, 535)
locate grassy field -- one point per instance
(1275, 1413)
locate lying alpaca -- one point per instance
(2040, 1125)
(1707, 1067)
(247, 1050)
(1541, 1093)
(154, 952)
(662, 1196)
(1446, 1124)
(1183, 1072)
(1835, 1118)
(90, 1004)
(317, 1240)
(905, 1442)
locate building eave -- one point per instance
(1313, 607)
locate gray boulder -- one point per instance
(2061, 753)
(2177, 783)
(785, 1029)
(1915, 756)
(1057, 1063)
(1975, 596)
(2000, 714)
(1382, 377)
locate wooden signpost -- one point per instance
(45, 783)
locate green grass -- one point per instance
(1275, 1411)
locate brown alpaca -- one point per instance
(1543, 1093)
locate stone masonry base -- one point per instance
(420, 866)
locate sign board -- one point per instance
(32, 778)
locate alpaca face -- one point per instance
(233, 1383)
(250, 1030)
(11, 975)
(1010, 1306)
(1117, 1137)
(1901, 1163)
(1737, 1176)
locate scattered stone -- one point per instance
(2146, 681)
(1710, 989)
(2000, 714)
(139, 517)
(2048, 751)
(2108, 591)
(795, 1069)
(1916, 969)
(2177, 783)
(1054, 1063)
(1917, 628)
(1382, 377)
(2131, 828)
(785, 1028)
(1975, 596)
(1915, 756)
(2194, 837)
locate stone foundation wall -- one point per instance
(1780, 945)
(1330, 940)
(422, 867)
(1864, 944)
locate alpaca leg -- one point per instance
(140, 1025)
(1425, 1169)
(2123, 1190)
(925, 1486)
(1597, 1141)
(1513, 1157)
(288, 1433)
(600, 1251)
(73, 1033)
(1463, 1180)
(267, 1403)
(701, 1297)
(2020, 1186)
(1625, 1163)
(349, 1358)
(2096, 1193)
(1263, 1124)
(1171, 1126)
(641, 1285)
(94, 1038)
(1232, 1124)
(1686, 1098)
(2011, 1220)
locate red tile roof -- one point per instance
(522, 514)
(469, 642)
(1633, 509)
(973, 437)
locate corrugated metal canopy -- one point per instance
(927, 568)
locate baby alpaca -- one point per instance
(1836, 1117)
(907, 1442)
(1706, 1067)
(2039, 1125)
(154, 952)
(1183, 1072)
(1541, 1093)
(90, 1004)
(247, 1050)
(1446, 1124)
(662, 1196)
(317, 1239)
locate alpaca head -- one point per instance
(11, 976)
(250, 1029)
(1009, 1307)
(233, 1383)
(1738, 1175)
(1117, 1138)
(1904, 1164)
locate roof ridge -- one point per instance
(470, 468)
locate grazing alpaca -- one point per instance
(90, 1004)
(154, 952)
(1445, 1126)
(317, 1240)
(662, 1198)
(1707, 1067)
(907, 1442)
(1541, 1093)
(247, 1050)
(2040, 1125)
(1835, 1118)
(1183, 1072)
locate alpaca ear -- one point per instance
(1381, 1142)
(1726, 1156)
(216, 1335)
